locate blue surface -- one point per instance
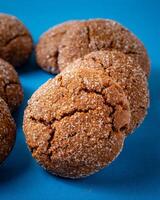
(136, 172)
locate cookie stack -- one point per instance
(15, 48)
(76, 123)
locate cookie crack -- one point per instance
(52, 121)
(41, 121)
(113, 107)
(58, 33)
(35, 148)
(102, 65)
(5, 88)
(130, 52)
(56, 55)
(14, 38)
(88, 36)
(10, 83)
(50, 143)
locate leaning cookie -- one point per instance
(10, 86)
(15, 40)
(48, 45)
(75, 124)
(124, 70)
(7, 130)
(100, 34)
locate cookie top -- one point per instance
(7, 130)
(125, 71)
(75, 124)
(100, 34)
(10, 86)
(47, 47)
(15, 40)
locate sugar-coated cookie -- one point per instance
(75, 124)
(7, 130)
(10, 87)
(15, 40)
(71, 40)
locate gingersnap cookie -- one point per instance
(125, 71)
(10, 86)
(47, 47)
(100, 34)
(7, 130)
(15, 40)
(75, 124)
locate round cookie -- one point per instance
(47, 47)
(10, 86)
(125, 71)
(15, 40)
(7, 130)
(75, 124)
(100, 34)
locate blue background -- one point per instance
(135, 174)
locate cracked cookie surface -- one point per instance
(75, 124)
(7, 130)
(100, 34)
(124, 70)
(47, 49)
(15, 40)
(10, 86)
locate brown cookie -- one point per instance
(10, 86)
(7, 130)
(15, 40)
(47, 47)
(75, 124)
(100, 34)
(125, 71)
